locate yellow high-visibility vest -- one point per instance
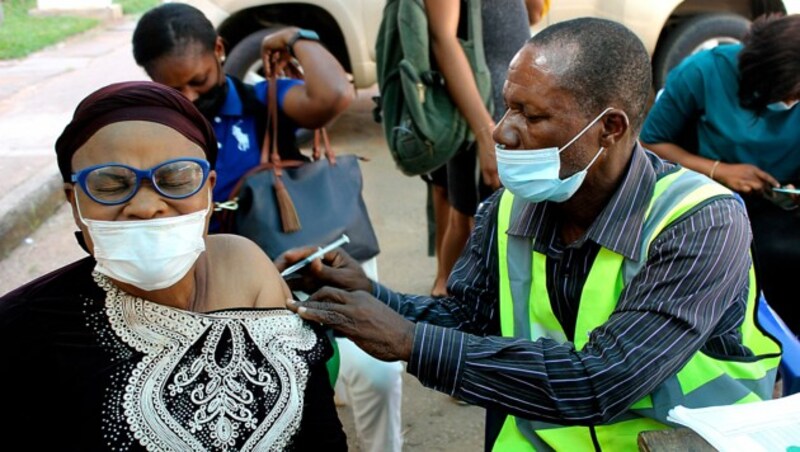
(703, 381)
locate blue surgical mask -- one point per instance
(533, 174)
(782, 106)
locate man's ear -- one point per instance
(615, 127)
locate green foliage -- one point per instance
(136, 6)
(21, 33)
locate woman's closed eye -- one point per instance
(177, 176)
(111, 183)
(175, 182)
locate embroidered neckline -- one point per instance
(204, 378)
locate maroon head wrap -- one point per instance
(133, 101)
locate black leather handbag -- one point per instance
(287, 204)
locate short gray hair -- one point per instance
(610, 66)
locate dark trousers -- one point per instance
(776, 246)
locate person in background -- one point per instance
(471, 175)
(164, 338)
(730, 113)
(601, 286)
(178, 47)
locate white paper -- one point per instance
(771, 425)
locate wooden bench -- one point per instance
(673, 440)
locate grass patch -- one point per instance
(136, 6)
(21, 34)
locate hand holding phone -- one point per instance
(787, 190)
(786, 197)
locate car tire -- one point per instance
(244, 60)
(697, 33)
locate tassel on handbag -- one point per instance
(274, 221)
(270, 161)
(290, 222)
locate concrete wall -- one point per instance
(98, 9)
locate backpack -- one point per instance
(423, 127)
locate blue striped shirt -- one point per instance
(690, 295)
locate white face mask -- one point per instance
(533, 174)
(149, 254)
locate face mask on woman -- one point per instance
(210, 102)
(149, 254)
(782, 106)
(533, 174)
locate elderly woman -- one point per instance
(164, 338)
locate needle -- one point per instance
(316, 255)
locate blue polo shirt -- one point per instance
(236, 136)
(701, 93)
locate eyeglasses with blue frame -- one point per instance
(115, 183)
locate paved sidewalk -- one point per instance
(37, 97)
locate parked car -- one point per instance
(348, 28)
(670, 29)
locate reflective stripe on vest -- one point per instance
(526, 312)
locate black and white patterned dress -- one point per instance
(86, 366)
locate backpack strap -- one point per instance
(475, 28)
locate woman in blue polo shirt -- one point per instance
(177, 46)
(730, 113)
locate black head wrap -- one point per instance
(133, 101)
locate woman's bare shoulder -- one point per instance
(245, 269)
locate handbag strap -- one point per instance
(269, 147)
(270, 159)
(321, 137)
(290, 221)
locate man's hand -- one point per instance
(372, 325)
(336, 269)
(744, 178)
